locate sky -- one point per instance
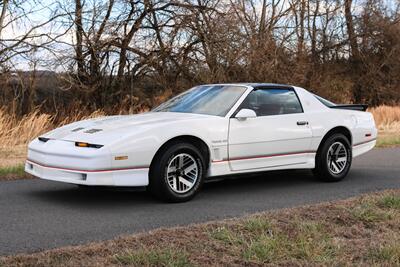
(40, 11)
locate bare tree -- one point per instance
(79, 38)
(119, 51)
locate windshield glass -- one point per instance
(206, 99)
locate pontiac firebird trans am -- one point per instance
(207, 131)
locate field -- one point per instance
(361, 231)
(15, 133)
(388, 122)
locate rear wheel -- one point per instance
(176, 174)
(333, 159)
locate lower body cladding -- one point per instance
(116, 177)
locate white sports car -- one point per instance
(207, 131)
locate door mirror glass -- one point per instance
(245, 113)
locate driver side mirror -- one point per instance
(245, 113)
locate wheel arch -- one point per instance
(338, 129)
(194, 140)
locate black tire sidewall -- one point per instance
(158, 179)
(322, 167)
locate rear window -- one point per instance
(327, 103)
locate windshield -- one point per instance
(206, 99)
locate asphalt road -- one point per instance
(37, 215)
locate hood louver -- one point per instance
(77, 129)
(92, 131)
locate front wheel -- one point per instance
(177, 173)
(333, 160)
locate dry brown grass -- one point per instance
(19, 131)
(15, 131)
(361, 231)
(387, 118)
(12, 155)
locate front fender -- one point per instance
(141, 147)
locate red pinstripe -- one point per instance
(267, 156)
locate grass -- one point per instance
(264, 249)
(390, 202)
(13, 172)
(261, 242)
(386, 116)
(389, 253)
(388, 139)
(16, 131)
(12, 155)
(387, 119)
(361, 231)
(159, 257)
(17, 170)
(12, 162)
(368, 214)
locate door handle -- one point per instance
(302, 123)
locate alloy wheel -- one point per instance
(182, 173)
(337, 157)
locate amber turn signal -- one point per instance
(121, 157)
(82, 144)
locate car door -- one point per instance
(279, 135)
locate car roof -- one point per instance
(254, 85)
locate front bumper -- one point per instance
(112, 177)
(62, 161)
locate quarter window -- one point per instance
(266, 102)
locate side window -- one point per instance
(267, 102)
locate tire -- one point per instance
(177, 173)
(333, 160)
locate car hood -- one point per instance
(105, 129)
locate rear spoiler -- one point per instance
(360, 107)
